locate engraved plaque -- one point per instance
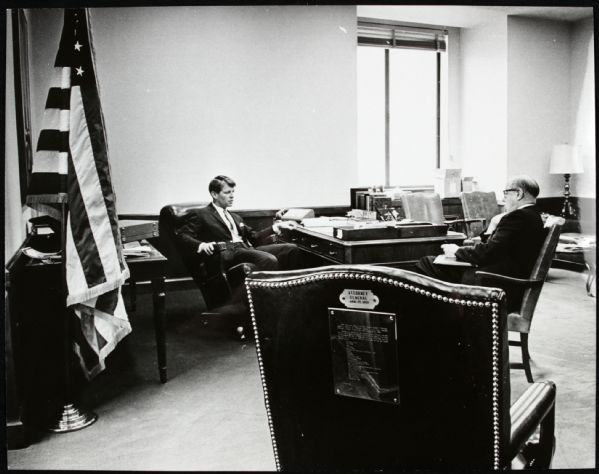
(364, 354)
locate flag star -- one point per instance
(78, 46)
(79, 71)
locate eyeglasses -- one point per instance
(505, 191)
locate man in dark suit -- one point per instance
(214, 223)
(509, 246)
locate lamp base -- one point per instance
(568, 211)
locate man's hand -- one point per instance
(450, 249)
(206, 247)
(277, 226)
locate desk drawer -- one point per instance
(329, 250)
(324, 248)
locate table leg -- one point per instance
(158, 291)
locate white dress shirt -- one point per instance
(229, 222)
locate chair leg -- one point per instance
(526, 356)
(539, 454)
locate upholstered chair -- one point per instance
(368, 368)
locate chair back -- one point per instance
(553, 227)
(370, 368)
(172, 218)
(480, 205)
(423, 206)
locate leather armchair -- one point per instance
(216, 284)
(368, 368)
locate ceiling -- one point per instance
(463, 16)
(550, 13)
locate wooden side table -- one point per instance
(578, 259)
(152, 268)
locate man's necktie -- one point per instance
(229, 220)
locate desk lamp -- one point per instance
(565, 160)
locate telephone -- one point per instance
(297, 214)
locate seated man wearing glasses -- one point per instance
(510, 245)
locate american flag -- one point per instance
(71, 166)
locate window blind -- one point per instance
(389, 35)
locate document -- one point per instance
(135, 249)
(445, 260)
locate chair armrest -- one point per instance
(536, 406)
(236, 274)
(475, 219)
(483, 276)
(240, 270)
(467, 221)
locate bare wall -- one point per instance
(582, 104)
(265, 94)
(538, 97)
(484, 104)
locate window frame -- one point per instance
(390, 35)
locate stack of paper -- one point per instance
(576, 242)
(135, 249)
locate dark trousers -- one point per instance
(449, 273)
(265, 257)
(466, 276)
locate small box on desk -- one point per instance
(132, 230)
(407, 231)
(364, 233)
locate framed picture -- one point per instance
(23, 112)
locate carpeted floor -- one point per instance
(210, 415)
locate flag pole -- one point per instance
(71, 418)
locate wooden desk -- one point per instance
(323, 249)
(34, 292)
(148, 268)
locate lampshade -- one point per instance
(565, 160)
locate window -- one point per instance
(401, 104)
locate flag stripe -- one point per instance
(107, 302)
(47, 161)
(58, 98)
(53, 140)
(81, 231)
(47, 183)
(93, 114)
(90, 188)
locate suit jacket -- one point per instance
(512, 248)
(206, 225)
